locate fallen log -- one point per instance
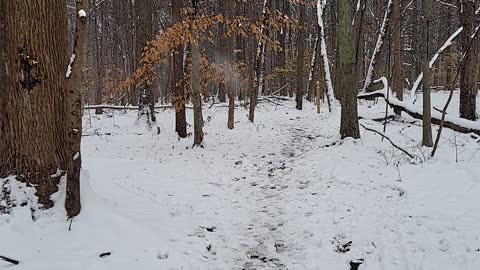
(455, 123)
(117, 107)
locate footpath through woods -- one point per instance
(283, 193)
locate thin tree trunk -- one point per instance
(178, 97)
(230, 83)
(427, 110)
(300, 58)
(396, 29)
(74, 99)
(144, 30)
(196, 96)
(259, 68)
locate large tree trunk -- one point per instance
(427, 110)
(32, 93)
(300, 58)
(146, 100)
(469, 71)
(348, 88)
(74, 99)
(178, 97)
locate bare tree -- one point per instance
(427, 110)
(300, 57)
(469, 71)
(197, 98)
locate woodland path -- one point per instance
(275, 195)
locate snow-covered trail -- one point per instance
(280, 194)
(275, 195)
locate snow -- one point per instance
(82, 13)
(69, 68)
(281, 194)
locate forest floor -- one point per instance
(283, 193)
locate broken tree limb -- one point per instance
(115, 107)
(452, 122)
(9, 260)
(388, 139)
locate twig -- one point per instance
(9, 260)
(388, 139)
(70, 225)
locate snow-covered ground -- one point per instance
(283, 193)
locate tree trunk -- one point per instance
(196, 96)
(101, 56)
(349, 117)
(259, 67)
(178, 97)
(469, 71)
(427, 110)
(144, 30)
(74, 102)
(33, 92)
(230, 83)
(396, 28)
(300, 58)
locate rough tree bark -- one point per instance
(33, 92)
(74, 102)
(469, 71)
(348, 88)
(178, 97)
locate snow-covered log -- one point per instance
(323, 50)
(452, 122)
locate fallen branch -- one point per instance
(9, 260)
(116, 107)
(388, 139)
(458, 124)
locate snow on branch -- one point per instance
(447, 44)
(419, 79)
(378, 46)
(323, 50)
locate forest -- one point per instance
(239, 134)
